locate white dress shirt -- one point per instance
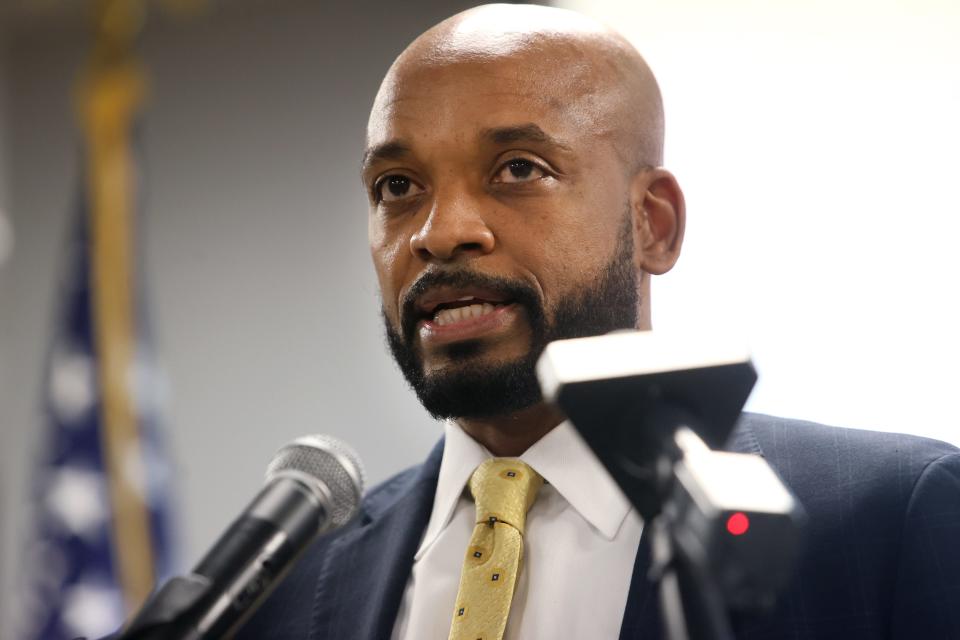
(579, 548)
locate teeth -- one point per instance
(448, 316)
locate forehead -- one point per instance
(456, 101)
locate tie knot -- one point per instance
(504, 490)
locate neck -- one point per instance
(513, 434)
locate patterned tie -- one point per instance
(503, 489)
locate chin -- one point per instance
(478, 387)
(472, 353)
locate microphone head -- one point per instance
(329, 467)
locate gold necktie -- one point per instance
(503, 489)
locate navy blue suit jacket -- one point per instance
(881, 559)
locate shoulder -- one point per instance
(852, 479)
(803, 448)
(381, 497)
(883, 512)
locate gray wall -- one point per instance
(4, 194)
(264, 306)
(6, 428)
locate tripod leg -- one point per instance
(690, 605)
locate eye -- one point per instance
(519, 170)
(395, 187)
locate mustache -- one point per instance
(516, 291)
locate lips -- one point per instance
(447, 314)
(472, 308)
(443, 307)
(440, 299)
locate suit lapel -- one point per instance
(365, 572)
(641, 619)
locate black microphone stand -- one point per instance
(691, 605)
(653, 408)
(691, 608)
(702, 570)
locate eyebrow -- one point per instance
(392, 150)
(398, 149)
(521, 133)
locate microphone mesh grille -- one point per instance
(333, 464)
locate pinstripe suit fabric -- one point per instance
(881, 555)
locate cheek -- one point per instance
(387, 252)
(576, 250)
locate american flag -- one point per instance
(102, 534)
(77, 588)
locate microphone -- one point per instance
(313, 484)
(653, 407)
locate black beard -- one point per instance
(486, 390)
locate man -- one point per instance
(516, 197)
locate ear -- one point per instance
(659, 216)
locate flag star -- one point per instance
(148, 470)
(91, 609)
(149, 385)
(76, 499)
(72, 385)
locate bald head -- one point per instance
(574, 62)
(516, 197)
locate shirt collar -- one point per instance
(461, 455)
(561, 457)
(566, 462)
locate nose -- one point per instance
(454, 228)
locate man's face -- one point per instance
(499, 220)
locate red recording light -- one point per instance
(738, 523)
